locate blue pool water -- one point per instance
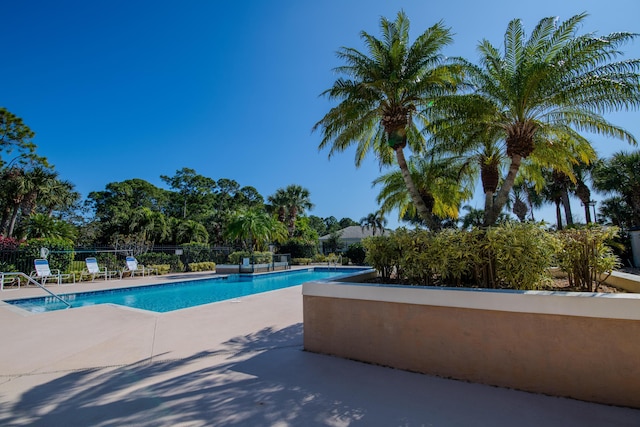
(177, 295)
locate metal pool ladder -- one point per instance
(35, 282)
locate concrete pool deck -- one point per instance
(231, 363)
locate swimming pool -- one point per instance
(178, 295)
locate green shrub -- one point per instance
(356, 253)
(160, 268)
(60, 252)
(256, 257)
(584, 254)
(319, 258)
(384, 253)
(159, 258)
(522, 253)
(109, 260)
(196, 252)
(202, 266)
(298, 248)
(301, 261)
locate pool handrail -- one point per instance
(31, 280)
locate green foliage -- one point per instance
(159, 258)
(522, 252)
(202, 266)
(584, 254)
(300, 261)
(109, 260)
(512, 255)
(319, 258)
(356, 253)
(196, 252)
(160, 268)
(16, 138)
(60, 252)
(384, 253)
(298, 248)
(256, 257)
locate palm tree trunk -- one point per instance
(488, 201)
(558, 216)
(587, 212)
(421, 207)
(491, 216)
(12, 221)
(567, 207)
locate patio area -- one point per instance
(232, 363)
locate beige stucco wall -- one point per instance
(588, 358)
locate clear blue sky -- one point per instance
(118, 89)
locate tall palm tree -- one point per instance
(376, 221)
(385, 94)
(290, 202)
(540, 93)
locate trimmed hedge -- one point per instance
(202, 266)
(512, 255)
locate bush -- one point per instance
(298, 249)
(584, 255)
(356, 253)
(159, 258)
(8, 244)
(301, 261)
(256, 257)
(196, 252)
(523, 253)
(319, 258)
(512, 255)
(384, 253)
(160, 268)
(202, 266)
(60, 252)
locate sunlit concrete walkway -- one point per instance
(232, 363)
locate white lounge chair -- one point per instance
(44, 272)
(132, 267)
(94, 270)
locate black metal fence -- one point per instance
(177, 257)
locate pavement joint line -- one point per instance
(147, 361)
(153, 339)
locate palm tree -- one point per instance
(255, 228)
(149, 225)
(539, 94)
(442, 182)
(620, 175)
(520, 207)
(41, 225)
(290, 202)
(385, 94)
(188, 231)
(376, 221)
(12, 188)
(581, 172)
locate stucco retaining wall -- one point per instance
(578, 345)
